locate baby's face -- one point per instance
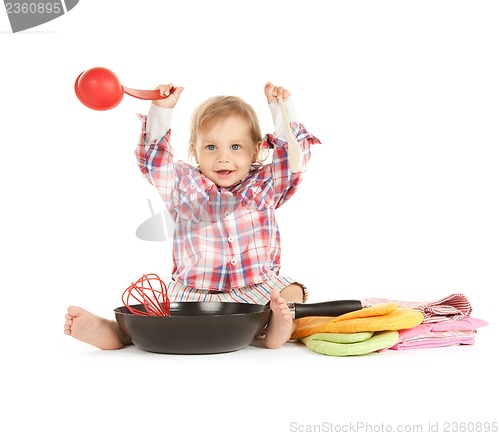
(226, 152)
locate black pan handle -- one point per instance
(327, 308)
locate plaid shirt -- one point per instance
(224, 238)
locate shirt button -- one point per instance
(230, 239)
(226, 214)
(233, 262)
(192, 186)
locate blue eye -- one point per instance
(211, 147)
(235, 147)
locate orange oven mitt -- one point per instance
(380, 317)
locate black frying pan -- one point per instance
(211, 327)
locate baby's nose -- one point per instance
(222, 157)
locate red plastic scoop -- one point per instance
(100, 89)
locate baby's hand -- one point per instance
(273, 92)
(173, 95)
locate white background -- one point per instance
(400, 201)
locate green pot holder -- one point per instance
(350, 344)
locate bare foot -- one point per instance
(281, 323)
(94, 330)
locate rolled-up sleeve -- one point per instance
(156, 162)
(286, 181)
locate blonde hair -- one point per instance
(216, 109)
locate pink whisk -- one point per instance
(154, 301)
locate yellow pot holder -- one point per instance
(380, 317)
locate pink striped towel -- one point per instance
(452, 307)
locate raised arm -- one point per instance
(160, 113)
(154, 152)
(283, 113)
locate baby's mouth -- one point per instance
(224, 173)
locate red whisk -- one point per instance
(154, 302)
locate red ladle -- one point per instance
(101, 90)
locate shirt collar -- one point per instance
(209, 184)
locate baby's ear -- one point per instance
(192, 149)
(257, 151)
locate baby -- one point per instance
(226, 243)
